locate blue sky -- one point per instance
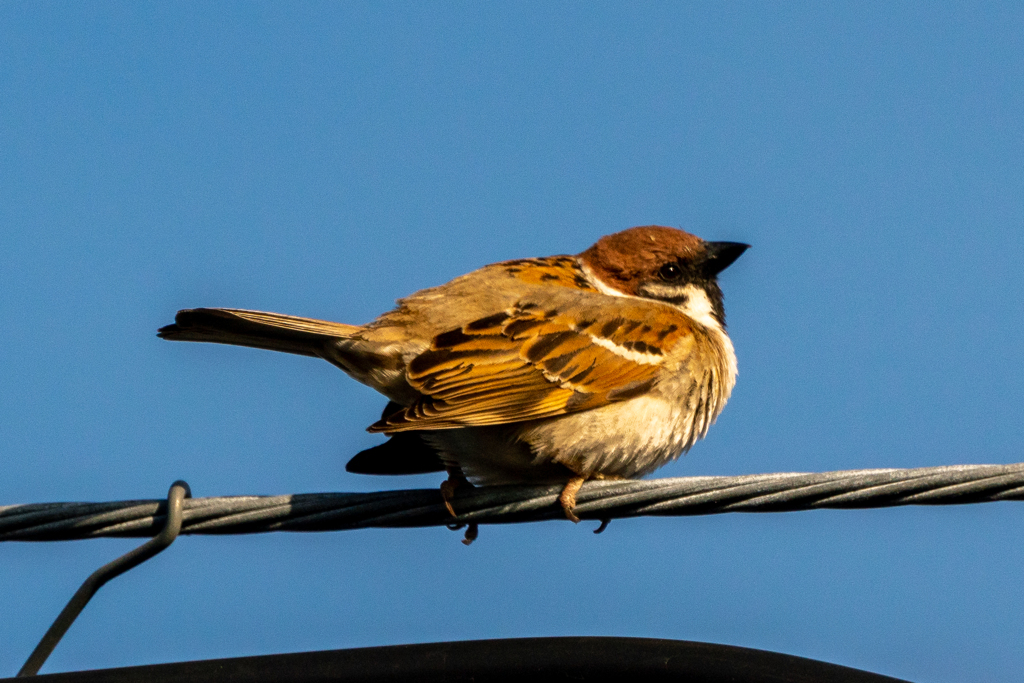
(323, 159)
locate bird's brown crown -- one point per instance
(625, 259)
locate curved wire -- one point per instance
(175, 498)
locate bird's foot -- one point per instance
(456, 480)
(568, 498)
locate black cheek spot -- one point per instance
(677, 300)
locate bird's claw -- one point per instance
(567, 499)
(448, 493)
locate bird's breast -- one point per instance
(629, 438)
(620, 440)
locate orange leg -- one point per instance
(455, 480)
(568, 498)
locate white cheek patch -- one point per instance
(698, 306)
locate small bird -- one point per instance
(603, 365)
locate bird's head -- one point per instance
(664, 264)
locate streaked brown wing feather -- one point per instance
(529, 363)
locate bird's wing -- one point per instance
(528, 363)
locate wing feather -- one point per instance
(533, 362)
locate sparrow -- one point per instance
(603, 365)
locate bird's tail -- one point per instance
(259, 330)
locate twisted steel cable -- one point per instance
(598, 500)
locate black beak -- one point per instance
(720, 255)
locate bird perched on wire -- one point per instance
(607, 364)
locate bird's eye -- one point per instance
(670, 272)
